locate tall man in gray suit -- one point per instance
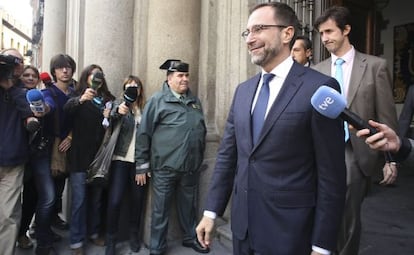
(366, 84)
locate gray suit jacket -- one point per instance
(370, 96)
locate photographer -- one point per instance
(15, 113)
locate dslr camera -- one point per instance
(7, 65)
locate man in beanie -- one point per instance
(169, 147)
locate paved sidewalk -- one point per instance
(175, 248)
(387, 222)
(388, 217)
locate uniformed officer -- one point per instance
(170, 145)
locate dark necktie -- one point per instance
(340, 78)
(260, 108)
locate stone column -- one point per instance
(54, 31)
(172, 30)
(108, 34)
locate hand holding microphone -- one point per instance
(328, 102)
(123, 109)
(88, 95)
(36, 101)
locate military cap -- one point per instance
(175, 65)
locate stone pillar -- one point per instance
(173, 32)
(107, 39)
(169, 29)
(75, 33)
(54, 31)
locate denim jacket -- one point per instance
(127, 123)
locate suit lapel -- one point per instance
(358, 70)
(286, 94)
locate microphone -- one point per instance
(97, 80)
(330, 103)
(36, 100)
(46, 79)
(130, 95)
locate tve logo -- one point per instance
(325, 103)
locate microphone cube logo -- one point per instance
(328, 102)
(37, 106)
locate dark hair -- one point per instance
(59, 61)
(339, 14)
(82, 85)
(306, 41)
(141, 96)
(283, 14)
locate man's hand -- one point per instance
(141, 179)
(385, 140)
(390, 172)
(204, 231)
(65, 144)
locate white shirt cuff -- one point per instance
(320, 250)
(210, 214)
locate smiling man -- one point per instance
(282, 162)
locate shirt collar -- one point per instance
(177, 95)
(282, 69)
(348, 57)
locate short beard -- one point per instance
(266, 57)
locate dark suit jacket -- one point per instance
(288, 189)
(369, 96)
(407, 113)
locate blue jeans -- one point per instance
(46, 195)
(86, 209)
(121, 179)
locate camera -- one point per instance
(7, 65)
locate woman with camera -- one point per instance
(88, 111)
(127, 113)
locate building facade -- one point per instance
(137, 36)
(13, 34)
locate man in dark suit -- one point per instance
(288, 183)
(368, 89)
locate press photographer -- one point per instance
(14, 113)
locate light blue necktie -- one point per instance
(260, 108)
(340, 78)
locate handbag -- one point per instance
(58, 159)
(97, 172)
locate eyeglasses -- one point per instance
(258, 28)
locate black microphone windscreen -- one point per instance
(130, 95)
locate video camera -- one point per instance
(7, 64)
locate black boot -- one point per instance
(110, 245)
(134, 242)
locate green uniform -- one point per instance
(170, 144)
